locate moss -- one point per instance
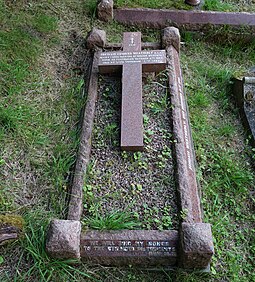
(13, 220)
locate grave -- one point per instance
(190, 244)
(244, 91)
(189, 20)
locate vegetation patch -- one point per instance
(140, 183)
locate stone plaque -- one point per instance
(137, 246)
(133, 61)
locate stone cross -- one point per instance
(133, 61)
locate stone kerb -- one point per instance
(196, 245)
(63, 237)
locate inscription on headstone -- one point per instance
(132, 61)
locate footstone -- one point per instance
(125, 247)
(132, 61)
(244, 91)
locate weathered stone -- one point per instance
(171, 36)
(63, 239)
(192, 2)
(183, 147)
(125, 247)
(132, 61)
(96, 39)
(196, 245)
(105, 10)
(244, 91)
(76, 195)
(8, 233)
(191, 20)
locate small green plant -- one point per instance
(110, 132)
(159, 105)
(184, 214)
(114, 221)
(218, 5)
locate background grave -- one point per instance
(244, 91)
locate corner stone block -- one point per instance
(105, 10)
(63, 239)
(96, 39)
(196, 245)
(171, 36)
(192, 2)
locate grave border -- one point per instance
(195, 245)
(194, 20)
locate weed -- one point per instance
(43, 268)
(114, 221)
(218, 5)
(110, 133)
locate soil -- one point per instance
(140, 183)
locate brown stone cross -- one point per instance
(133, 62)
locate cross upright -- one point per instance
(133, 62)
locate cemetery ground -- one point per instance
(41, 81)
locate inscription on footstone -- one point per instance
(132, 247)
(133, 61)
(123, 247)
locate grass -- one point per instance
(209, 5)
(224, 162)
(41, 267)
(116, 220)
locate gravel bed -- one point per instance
(140, 183)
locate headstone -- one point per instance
(133, 62)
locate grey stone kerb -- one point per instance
(63, 239)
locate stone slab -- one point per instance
(131, 103)
(183, 147)
(192, 20)
(125, 247)
(76, 195)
